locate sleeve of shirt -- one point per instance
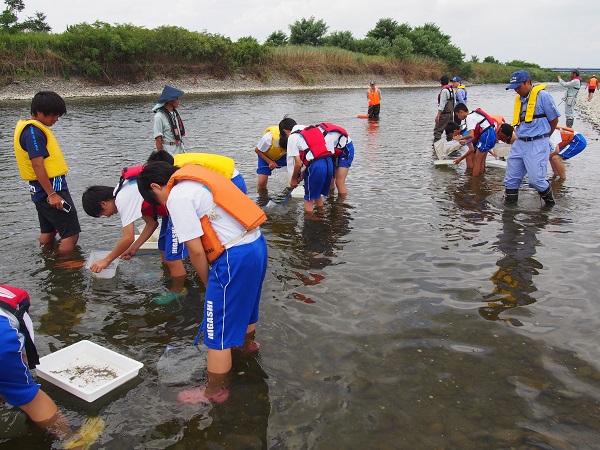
(158, 125)
(129, 204)
(184, 203)
(549, 106)
(265, 142)
(34, 141)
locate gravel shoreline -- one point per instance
(25, 90)
(74, 88)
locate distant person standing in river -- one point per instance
(168, 126)
(374, 97)
(592, 86)
(460, 94)
(445, 111)
(570, 98)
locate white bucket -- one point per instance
(108, 272)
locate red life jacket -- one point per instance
(329, 127)
(16, 302)
(316, 145)
(479, 130)
(131, 173)
(450, 90)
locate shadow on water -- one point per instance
(415, 313)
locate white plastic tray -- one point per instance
(87, 370)
(108, 272)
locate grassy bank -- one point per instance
(107, 55)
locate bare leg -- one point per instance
(478, 163)
(262, 181)
(558, 167)
(340, 180)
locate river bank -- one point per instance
(73, 88)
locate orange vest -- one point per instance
(374, 97)
(592, 83)
(225, 194)
(566, 136)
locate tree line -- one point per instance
(109, 52)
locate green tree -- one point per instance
(342, 39)
(373, 46)
(277, 39)
(474, 58)
(491, 60)
(308, 32)
(521, 63)
(401, 47)
(9, 20)
(389, 30)
(428, 40)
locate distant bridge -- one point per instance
(568, 70)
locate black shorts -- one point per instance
(53, 220)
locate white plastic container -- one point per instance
(87, 370)
(108, 272)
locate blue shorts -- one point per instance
(169, 243)
(53, 220)
(317, 178)
(239, 181)
(346, 157)
(233, 294)
(16, 384)
(487, 140)
(575, 147)
(263, 167)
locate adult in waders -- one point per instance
(219, 226)
(374, 98)
(168, 126)
(570, 97)
(445, 111)
(535, 118)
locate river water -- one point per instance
(415, 314)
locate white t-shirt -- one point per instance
(129, 202)
(335, 139)
(265, 142)
(556, 138)
(473, 119)
(296, 143)
(189, 201)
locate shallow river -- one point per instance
(416, 314)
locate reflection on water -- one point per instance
(414, 313)
(513, 281)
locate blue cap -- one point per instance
(459, 79)
(517, 78)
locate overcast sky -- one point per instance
(547, 33)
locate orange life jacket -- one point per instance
(374, 97)
(592, 83)
(226, 195)
(566, 136)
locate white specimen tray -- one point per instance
(87, 370)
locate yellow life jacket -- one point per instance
(217, 163)
(54, 164)
(226, 195)
(275, 151)
(530, 109)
